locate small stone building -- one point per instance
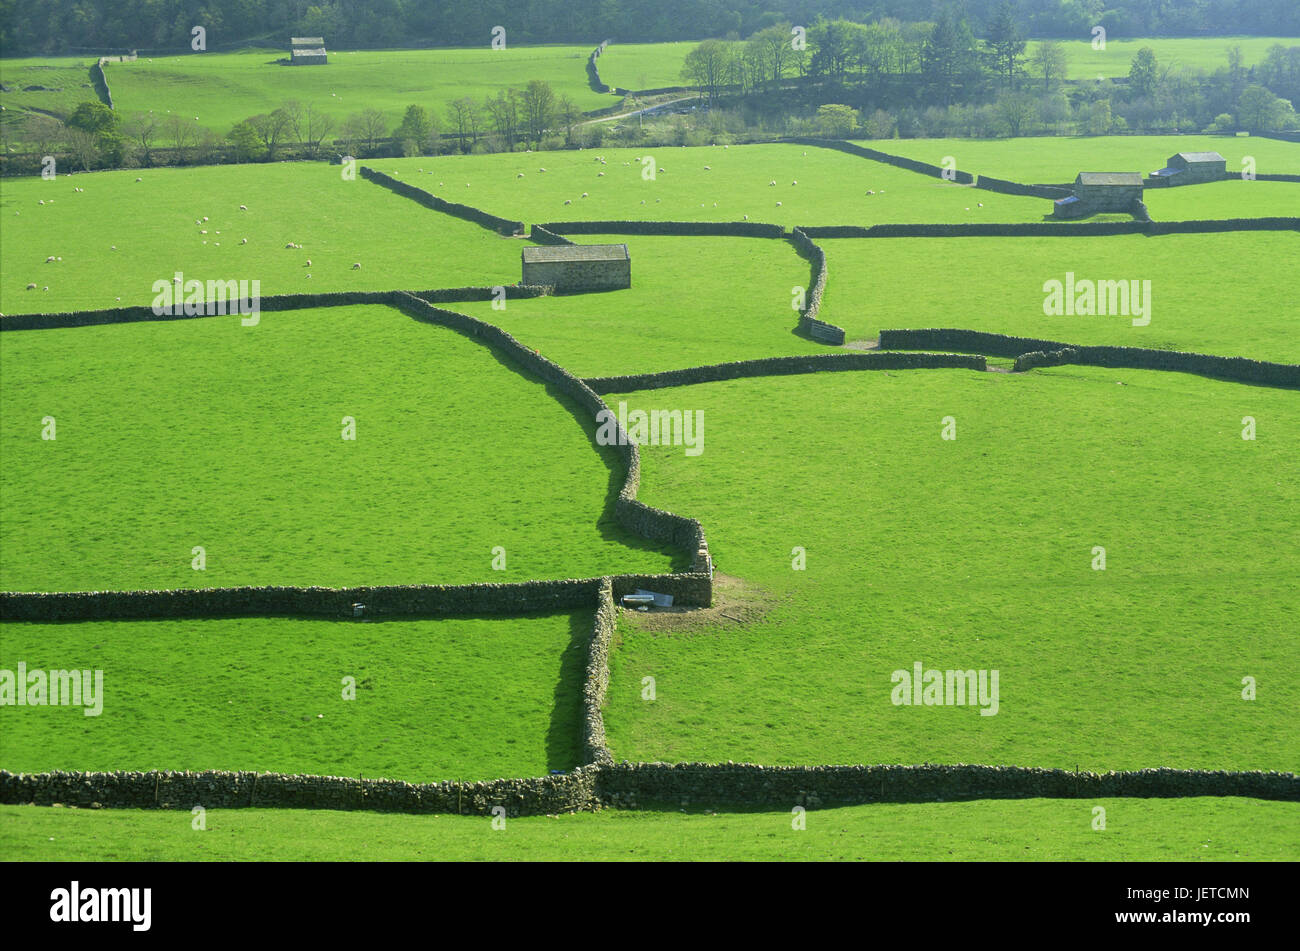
(1097, 192)
(1191, 168)
(578, 267)
(307, 51)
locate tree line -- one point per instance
(81, 26)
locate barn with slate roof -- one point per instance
(1191, 168)
(307, 51)
(1096, 192)
(578, 267)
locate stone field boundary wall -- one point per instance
(503, 226)
(1063, 229)
(911, 165)
(787, 366)
(100, 83)
(593, 74)
(631, 785)
(541, 236)
(736, 229)
(1235, 369)
(808, 322)
(991, 184)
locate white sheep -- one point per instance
(520, 175)
(58, 259)
(778, 204)
(243, 241)
(980, 203)
(568, 201)
(113, 248)
(584, 194)
(745, 217)
(50, 259)
(31, 287)
(308, 264)
(289, 245)
(708, 168)
(600, 174)
(205, 217)
(794, 183)
(139, 179)
(771, 183)
(357, 266)
(41, 201)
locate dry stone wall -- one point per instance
(498, 224)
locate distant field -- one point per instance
(977, 553)
(66, 80)
(1210, 293)
(708, 184)
(463, 698)
(220, 89)
(1059, 159)
(692, 301)
(155, 227)
(230, 438)
(1224, 200)
(1207, 53)
(643, 65)
(1185, 830)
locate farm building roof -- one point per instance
(302, 51)
(311, 41)
(1110, 178)
(575, 252)
(1199, 157)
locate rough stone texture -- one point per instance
(1236, 369)
(734, 229)
(786, 366)
(924, 168)
(578, 267)
(989, 183)
(500, 225)
(808, 322)
(1059, 228)
(596, 681)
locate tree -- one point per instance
(1013, 110)
(366, 128)
(464, 117)
(1258, 110)
(316, 125)
(837, 121)
(503, 112)
(707, 67)
(93, 117)
(413, 133)
(271, 128)
(538, 102)
(44, 132)
(1050, 60)
(293, 113)
(83, 146)
(143, 128)
(948, 59)
(182, 133)
(1100, 121)
(244, 140)
(1006, 42)
(568, 114)
(1142, 72)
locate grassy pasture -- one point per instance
(230, 438)
(220, 89)
(1206, 53)
(469, 698)
(1232, 199)
(693, 301)
(1048, 159)
(66, 80)
(643, 65)
(977, 554)
(1210, 293)
(1196, 830)
(152, 223)
(832, 187)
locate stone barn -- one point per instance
(578, 267)
(1096, 192)
(1191, 168)
(307, 51)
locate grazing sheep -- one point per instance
(50, 259)
(540, 170)
(357, 266)
(600, 174)
(205, 217)
(41, 201)
(46, 287)
(31, 287)
(118, 299)
(308, 264)
(568, 201)
(139, 179)
(243, 241)
(771, 183)
(309, 275)
(745, 217)
(869, 192)
(113, 248)
(288, 246)
(58, 259)
(584, 194)
(243, 208)
(661, 169)
(708, 168)
(520, 175)
(981, 204)
(778, 204)
(203, 232)
(794, 183)
(643, 201)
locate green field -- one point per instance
(1232, 199)
(231, 438)
(66, 82)
(643, 65)
(219, 89)
(155, 227)
(713, 183)
(1210, 293)
(693, 301)
(1059, 159)
(462, 698)
(1184, 830)
(1197, 53)
(977, 554)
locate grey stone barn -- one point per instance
(1096, 192)
(1190, 168)
(307, 51)
(578, 267)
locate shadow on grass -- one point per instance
(564, 735)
